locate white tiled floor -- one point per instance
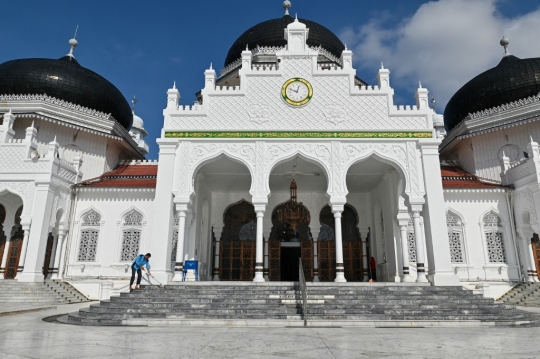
(26, 336)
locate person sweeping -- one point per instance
(137, 266)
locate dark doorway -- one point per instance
(290, 263)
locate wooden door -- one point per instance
(536, 251)
(237, 260)
(326, 257)
(48, 255)
(352, 261)
(307, 259)
(14, 254)
(274, 260)
(3, 242)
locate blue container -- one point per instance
(191, 265)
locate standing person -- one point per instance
(138, 263)
(373, 268)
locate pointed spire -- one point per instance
(296, 17)
(247, 47)
(133, 103)
(504, 43)
(287, 5)
(211, 66)
(54, 138)
(174, 85)
(504, 155)
(32, 125)
(382, 66)
(419, 84)
(531, 139)
(9, 112)
(73, 43)
(346, 49)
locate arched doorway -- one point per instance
(15, 247)
(237, 250)
(352, 245)
(290, 239)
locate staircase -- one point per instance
(279, 304)
(42, 293)
(525, 294)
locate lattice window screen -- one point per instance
(131, 239)
(455, 237)
(133, 218)
(495, 246)
(174, 248)
(494, 238)
(91, 218)
(88, 246)
(411, 243)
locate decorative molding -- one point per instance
(504, 107)
(58, 102)
(25, 190)
(335, 114)
(297, 134)
(259, 113)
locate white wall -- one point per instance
(472, 205)
(112, 204)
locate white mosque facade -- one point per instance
(286, 155)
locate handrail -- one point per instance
(303, 289)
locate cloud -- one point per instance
(444, 44)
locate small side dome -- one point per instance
(513, 79)
(137, 122)
(65, 79)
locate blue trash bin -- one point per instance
(191, 265)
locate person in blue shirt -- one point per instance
(137, 266)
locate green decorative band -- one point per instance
(285, 134)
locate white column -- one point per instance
(266, 238)
(405, 252)
(36, 244)
(163, 217)
(315, 256)
(420, 256)
(63, 256)
(22, 258)
(437, 244)
(532, 275)
(259, 209)
(217, 235)
(179, 265)
(59, 245)
(340, 269)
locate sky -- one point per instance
(142, 47)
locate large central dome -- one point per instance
(271, 33)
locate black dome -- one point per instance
(271, 33)
(64, 79)
(511, 80)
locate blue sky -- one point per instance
(143, 46)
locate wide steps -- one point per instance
(42, 293)
(361, 303)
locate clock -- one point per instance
(297, 92)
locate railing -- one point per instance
(303, 288)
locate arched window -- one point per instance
(411, 243)
(454, 226)
(494, 238)
(91, 222)
(131, 235)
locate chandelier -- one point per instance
(294, 213)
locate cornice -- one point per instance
(476, 190)
(299, 134)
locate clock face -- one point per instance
(297, 92)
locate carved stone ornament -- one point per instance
(335, 114)
(25, 190)
(259, 113)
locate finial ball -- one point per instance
(505, 41)
(73, 43)
(287, 5)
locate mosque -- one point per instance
(287, 154)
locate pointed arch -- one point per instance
(491, 223)
(307, 156)
(384, 157)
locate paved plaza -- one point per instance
(27, 336)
